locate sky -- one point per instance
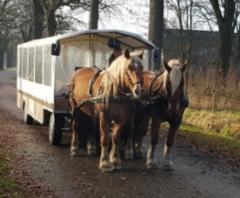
(132, 15)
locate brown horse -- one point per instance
(124, 75)
(168, 90)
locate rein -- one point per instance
(128, 98)
(133, 83)
(152, 83)
(100, 99)
(124, 97)
(92, 81)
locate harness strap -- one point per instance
(121, 99)
(92, 81)
(100, 99)
(152, 83)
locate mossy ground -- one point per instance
(222, 146)
(8, 186)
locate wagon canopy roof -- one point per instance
(127, 39)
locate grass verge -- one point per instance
(8, 186)
(226, 123)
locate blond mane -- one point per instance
(113, 77)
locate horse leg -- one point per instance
(114, 157)
(91, 142)
(104, 164)
(150, 163)
(139, 131)
(74, 143)
(129, 140)
(167, 152)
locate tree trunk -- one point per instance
(38, 19)
(181, 30)
(225, 19)
(2, 50)
(51, 23)
(156, 27)
(94, 14)
(1, 59)
(225, 50)
(236, 50)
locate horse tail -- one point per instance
(71, 95)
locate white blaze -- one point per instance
(175, 79)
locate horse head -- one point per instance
(127, 70)
(133, 78)
(174, 81)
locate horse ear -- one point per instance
(184, 66)
(167, 67)
(127, 53)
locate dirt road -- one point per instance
(195, 175)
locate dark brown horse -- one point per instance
(124, 75)
(167, 92)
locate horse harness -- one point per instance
(123, 98)
(92, 81)
(134, 83)
(150, 91)
(156, 98)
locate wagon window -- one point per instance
(24, 62)
(38, 64)
(47, 65)
(31, 64)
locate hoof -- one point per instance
(138, 153)
(105, 166)
(128, 154)
(117, 166)
(116, 163)
(151, 165)
(168, 166)
(91, 151)
(74, 151)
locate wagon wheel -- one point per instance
(55, 132)
(27, 118)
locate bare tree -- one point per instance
(236, 38)
(38, 19)
(156, 27)
(94, 14)
(7, 18)
(183, 11)
(50, 7)
(24, 22)
(224, 12)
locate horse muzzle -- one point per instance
(137, 91)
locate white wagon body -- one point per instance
(43, 78)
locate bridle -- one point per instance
(151, 91)
(132, 84)
(168, 94)
(172, 101)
